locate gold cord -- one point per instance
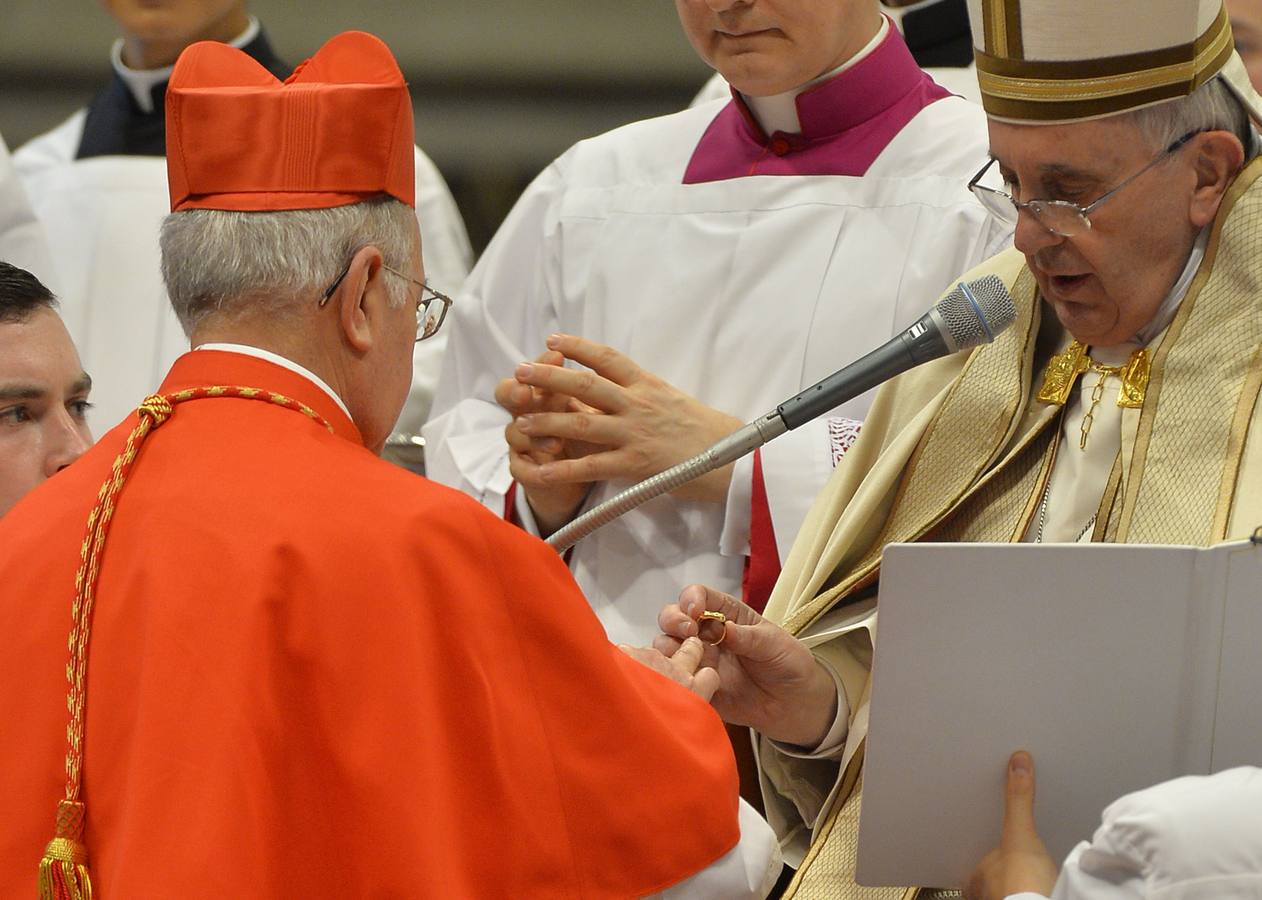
(63, 871)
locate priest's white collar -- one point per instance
(141, 82)
(779, 112)
(284, 363)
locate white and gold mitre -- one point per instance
(1046, 61)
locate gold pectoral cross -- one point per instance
(1063, 370)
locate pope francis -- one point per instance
(1121, 406)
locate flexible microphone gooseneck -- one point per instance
(969, 316)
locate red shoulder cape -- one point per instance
(313, 674)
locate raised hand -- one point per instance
(552, 504)
(768, 679)
(1020, 862)
(623, 423)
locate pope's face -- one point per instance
(178, 22)
(765, 47)
(1108, 282)
(43, 402)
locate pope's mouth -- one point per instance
(1067, 284)
(739, 35)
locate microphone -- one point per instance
(971, 315)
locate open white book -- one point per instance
(1117, 666)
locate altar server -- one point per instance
(297, 670)
(936, 32)
(98, 182)
(707, 265)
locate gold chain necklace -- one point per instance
(1064, 368)
(1096, 393)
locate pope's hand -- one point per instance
(683, 667)
(768, 679)
(622, 423)
(1021, 862)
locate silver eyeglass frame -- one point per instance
(1008, 208)
(427, 325)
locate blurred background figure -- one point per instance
(98, 184)
(22, 239)
(936, 31)
(43, 388)
(1246, 28)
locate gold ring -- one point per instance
(719, 619)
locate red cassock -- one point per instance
(313, 674)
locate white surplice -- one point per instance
(739, 292)
(22, 239)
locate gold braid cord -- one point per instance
(63, 872)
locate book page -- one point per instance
(1101, 660)
(1238, 724)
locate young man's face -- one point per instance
(766, 47)
(43, 403)
(177, 23)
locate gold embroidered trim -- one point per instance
(1042, 82)
(1140, 473)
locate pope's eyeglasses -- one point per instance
(1060, 217)
(429, 318)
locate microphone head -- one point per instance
(975, 312)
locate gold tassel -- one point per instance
(63, 872)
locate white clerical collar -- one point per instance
(141, 82)
(283, 362)
(779, 112)
(1169, 306)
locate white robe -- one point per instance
(103, 215)
(739, 292)
(22, 240)
(1194, 838)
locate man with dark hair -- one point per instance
(43, 388)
